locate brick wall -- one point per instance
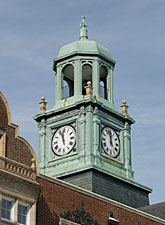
(57, 197)
(16, 147)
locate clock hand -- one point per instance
(62, 136)
(110, 137)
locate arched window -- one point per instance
(86, 76)
(68, 81)
(103, 82)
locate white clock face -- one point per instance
(110, 142)
(63, 140)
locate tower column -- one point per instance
(127, 148)
(42, 144)
(77, 79)
(110, 85)
(59, 89)
(89, 133)
(96, 126)
(96, 79)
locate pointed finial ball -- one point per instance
(124, 102)
(42, 98)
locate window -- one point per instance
(15, 211)
(7, 208)
(23, 213)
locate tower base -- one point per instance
(130, 194)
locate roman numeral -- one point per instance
(104, 144)
(70, 143)
(56, 147)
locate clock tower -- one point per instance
(84, 139)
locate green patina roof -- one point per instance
(84, 46)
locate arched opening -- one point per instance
(86, 76)
(103, 82)
(68, 81)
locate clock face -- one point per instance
(110, 142)
(63, 140)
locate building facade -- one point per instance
(28, 197)
(19, 190)
(84, 175)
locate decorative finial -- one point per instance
(42, 105)
(88, 89)
(83, 30)
(124, 108)
(33, 166)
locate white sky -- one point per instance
(31, 33)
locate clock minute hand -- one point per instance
(62, 136)
(110, 137)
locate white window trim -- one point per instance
(12, 210)
(28, 214)
(30, 218)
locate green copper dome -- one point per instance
(83, 46)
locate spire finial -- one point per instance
(42, 105)
(124, 108)
(83, 30)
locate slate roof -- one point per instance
(157, 210)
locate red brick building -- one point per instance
(28, 197)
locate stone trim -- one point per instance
(66, 222)
(7, 107)
(2, 142)
(17, 168)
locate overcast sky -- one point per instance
(31, 33)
